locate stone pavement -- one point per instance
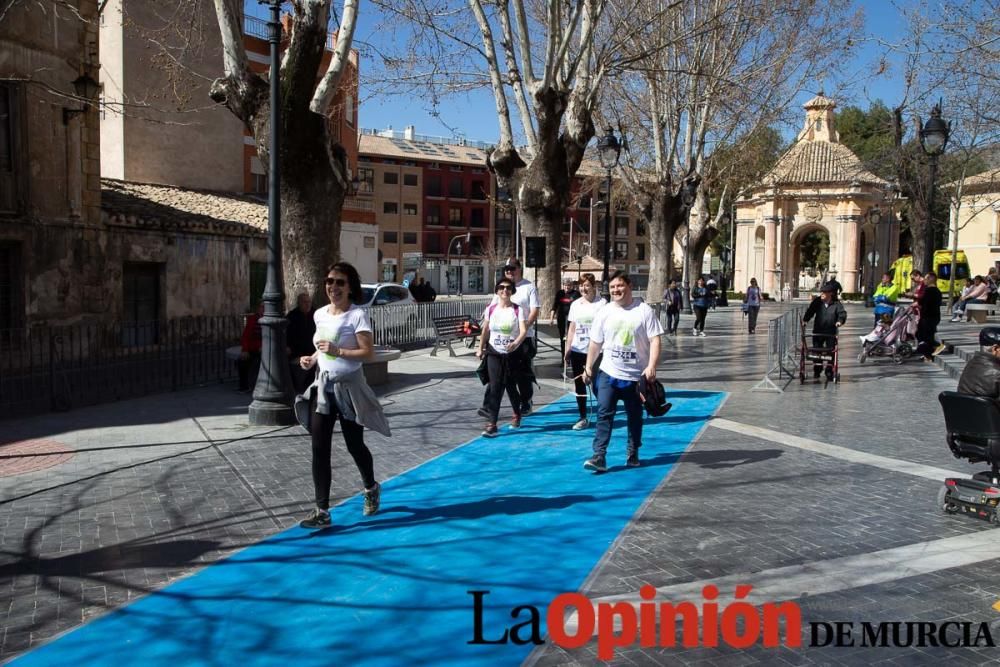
(809, 487)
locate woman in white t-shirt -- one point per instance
(343, 342)
(581, 316)
(504, 328)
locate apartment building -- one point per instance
(434, 203)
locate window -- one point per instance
(410, 238)
(455, 217)
(640, 227)
(456, 167)
(621, 226)
(410, 179)
(366, 180)
(504, 240)
(409, 209)
(390, 178)
(349, 109)
(621, 249)
(11, 289)
(259, 184)
(433, 216)
(390, 207)
(640, 251)
(432, 244)
(141, 303)
(477, 218)
(389, 237)
(478, 190)
(11, 167)
(432, 185)
(434, 165)
(456, 188)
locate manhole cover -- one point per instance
(22, 456)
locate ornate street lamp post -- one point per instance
(934, 139)
(608, 150)
(875, 216)
(272, 395)
(688, 193)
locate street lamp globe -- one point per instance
(609, 149)
(935, 132)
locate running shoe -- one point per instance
(373, 498)
(317, 519)
(596, 463)
(580, 425)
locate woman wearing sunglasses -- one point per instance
(505, 328)
(343, 343)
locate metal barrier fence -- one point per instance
(784, 335)
(411, 324)
(58, 368)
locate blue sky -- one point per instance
(472, 115)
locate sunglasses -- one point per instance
(505, 288)
(509, 269)
(339, 282)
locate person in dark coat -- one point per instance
(560, 310)
(830, 315)
(301, 328)
(673, 298)
(930, 316)
(981, 375)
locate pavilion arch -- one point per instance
(802, 285)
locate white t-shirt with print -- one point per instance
(582, 312)
(504, 325)
(342, 330)
(526, 298)
(625, 335)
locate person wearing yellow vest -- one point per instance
(885, 297)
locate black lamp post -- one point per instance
(272, 395)
(608, 150)
(688, 192)
(875, 216)
(933, 139)
(725, 255)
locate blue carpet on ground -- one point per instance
(516, 515)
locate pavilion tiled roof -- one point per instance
(181, 209)
(820, 162)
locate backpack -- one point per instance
(653, 397)
(489, 312)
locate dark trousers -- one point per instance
(607, 405)
(578, 361)
(826, 343)
(699, 317)
(926, 329)
(561, 323)
(525, 383)
(503, 370)
(752, 313)
(321, 430)
(673, 319)
(244, 367)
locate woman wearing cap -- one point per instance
(581, 316)
(505, 328)
(560, 310)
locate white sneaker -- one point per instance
(955, 319)
(694, 332)
(701, 333)
(580, 425)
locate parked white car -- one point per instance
(382, 294)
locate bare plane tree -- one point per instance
(709, 73)
(314, 172)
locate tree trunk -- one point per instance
(664, 216)
(702, 234)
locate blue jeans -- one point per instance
(608, 395)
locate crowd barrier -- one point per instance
(784, 335)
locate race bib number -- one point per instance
(624, 354)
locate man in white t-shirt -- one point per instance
(627, 332)
(526, 298)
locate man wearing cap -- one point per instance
(830, 316)
(526, 298)
(560, 310)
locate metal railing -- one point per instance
(58, 368)
(411, 324)
(784, 336)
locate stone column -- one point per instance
(849, 253)
(770, 279)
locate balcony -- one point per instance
(255, 27)
(356, 204)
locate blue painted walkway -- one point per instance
(516, 515)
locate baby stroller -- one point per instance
(829, 356)
(896, 339)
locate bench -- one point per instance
(449, 328)
(977, 312)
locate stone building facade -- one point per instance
(978, 221)
(818, 185)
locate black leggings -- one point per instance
(504, 376)
(577, 362)
(699, 317)
(321, 429)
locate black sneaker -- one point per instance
(317, 519)
(526, 409)
(483, 412)
(633, 460)
(490, 431)
(372, 499)
(596, 463)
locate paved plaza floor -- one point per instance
(164, 529)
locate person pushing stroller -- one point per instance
(830, 315)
